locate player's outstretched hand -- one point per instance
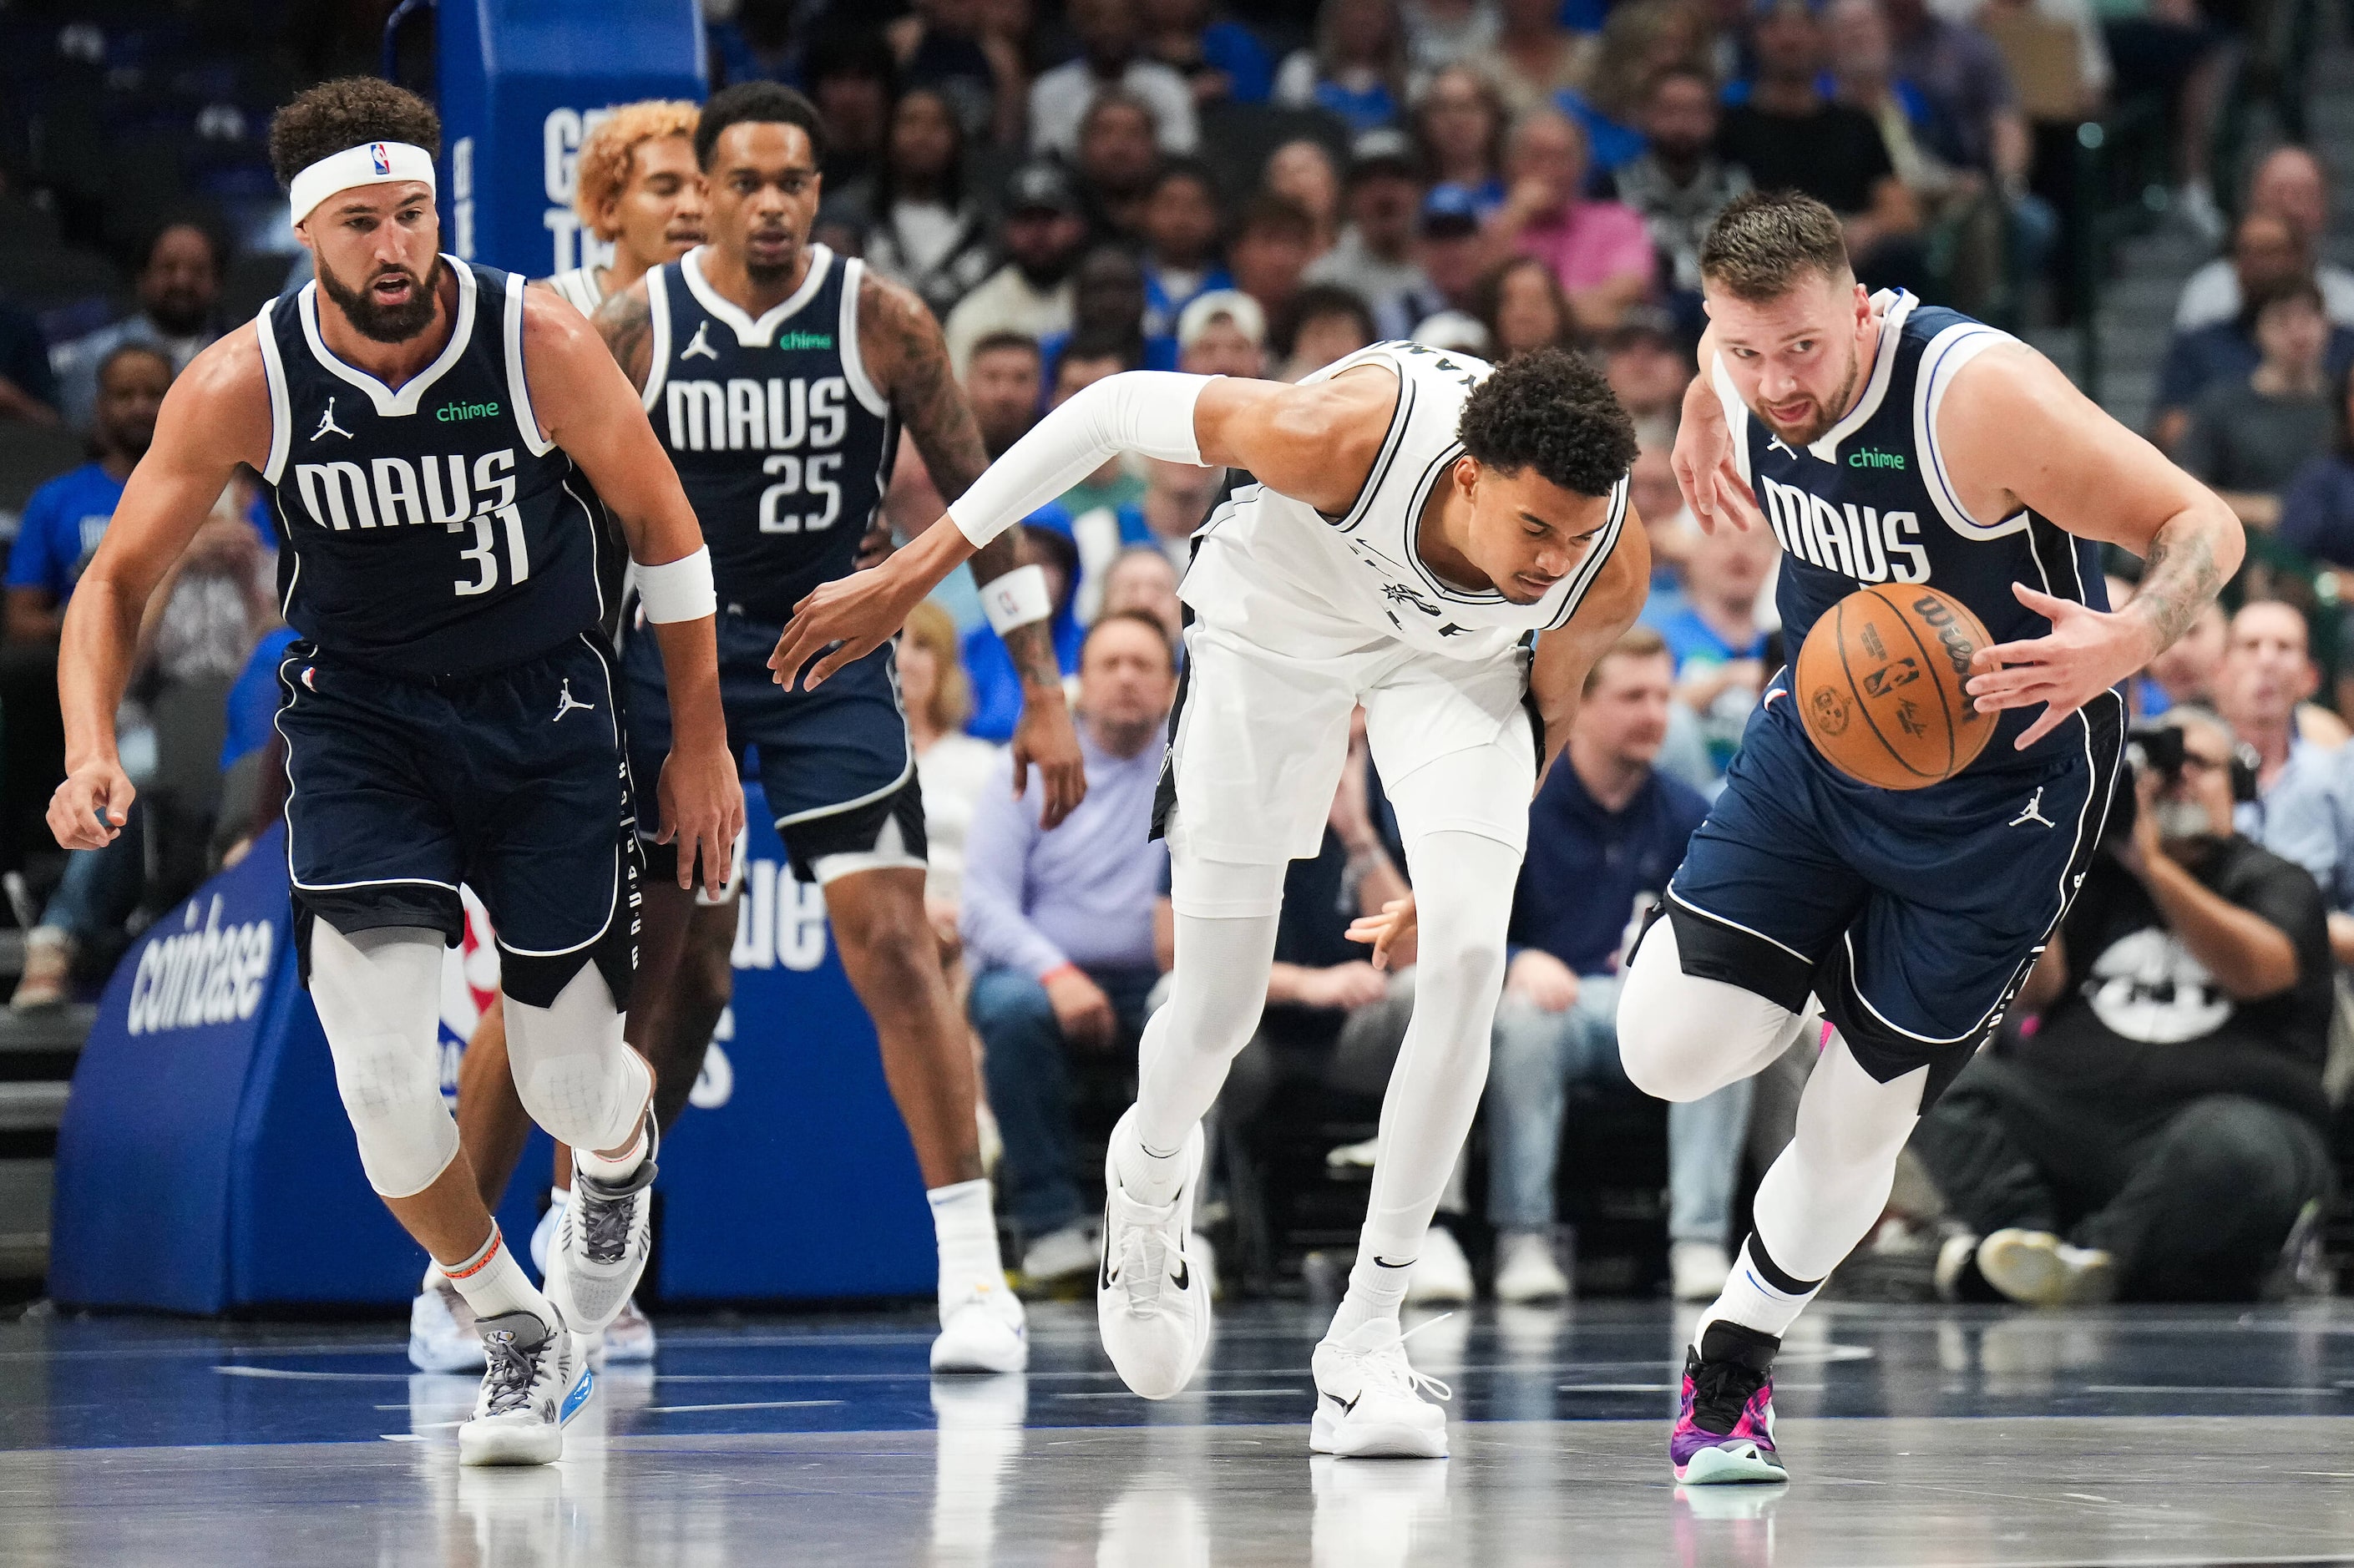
(845, 619)
(91, 807)
(2087, 652)
(1385, 930)
(1707, 470)
(1045, 739)
(702, 801)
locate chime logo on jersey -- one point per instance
(1858, 542)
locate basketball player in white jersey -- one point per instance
(1418, 521)
(639, 190)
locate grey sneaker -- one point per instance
(602, 1243)
(536, 1382)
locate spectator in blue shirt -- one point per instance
(66, 518)
(2266, 250)
(1355, 69)
(996, 683)
(1180, 243)
(1718, 646)
(1058, 928)
(1606, 833)
(1220, 60)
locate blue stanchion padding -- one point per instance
(205, 1163)
(520, 83)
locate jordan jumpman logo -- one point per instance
(698, 343)
(566, 701)
(328, 426)
(2034, 812)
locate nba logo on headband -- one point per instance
(380, 158)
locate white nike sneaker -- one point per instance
(602, 1243)
(543, 1234)
(983, 1329)
(1525, 1269)
(443, 1335)
(629, 1338)
(2038, 1269)
(1152, 1307)
(538, 1381)
(1441, 1273)
(1369, 1403)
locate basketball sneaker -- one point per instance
(1725, 1432)
(601, 1243)
(536, 1381)
(1152, 1307)
(629, 1338)
(2037, 1268)
(983, 1329)
(1368, 1398)
(1441, 1274)
(442, 1334)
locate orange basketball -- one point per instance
(1878, 686)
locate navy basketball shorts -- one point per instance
(511, 781)
(1914, 915)
(836, 763)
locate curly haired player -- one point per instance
(1451, 547)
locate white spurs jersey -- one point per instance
(581, 287)
(1297, 581)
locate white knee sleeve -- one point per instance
(571, 1069)
(1223, 890)
(378, 996)
(1683, 1037)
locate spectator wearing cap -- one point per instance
(1373, 257)
(1326, 324)
(1004, 387)
(996, 683)
(1108, 306)
(1598, 249)
(1649, 367)
(1790, 137)
(1522, 305)
(1117, 163)
(1458, 137)
(1109, 60)
(179, 293)
(1221, 60)
(1273, 244)
(1679, 183)
(1058, 928)
(1223, 333)
(1449, 250)
(1180, 243)
(1356, 68)
(2292, 185)
(1302, 172)
(923, 229)
(1042, 236)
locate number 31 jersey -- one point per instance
(430, 529)
(782, 444)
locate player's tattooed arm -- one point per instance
(626, 321)
(2098, 481)
(906, 357)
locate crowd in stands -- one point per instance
(1156, 184)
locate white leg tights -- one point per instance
(572, 1071)
(379, 995)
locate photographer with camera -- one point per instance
(2158, 1133)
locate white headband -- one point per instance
(376, 164)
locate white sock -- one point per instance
(1150, 1175)
(965, 1227)
(1376, 1286)
(1753, 1301)
(433, 1276)
(613, 1170)
(492, 1282)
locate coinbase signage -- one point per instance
(522, 83)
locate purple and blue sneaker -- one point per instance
(1725, 1432)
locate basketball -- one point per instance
(1879, 685)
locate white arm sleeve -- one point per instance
(1146, 411)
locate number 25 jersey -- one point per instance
(783, 445)
(430, 529)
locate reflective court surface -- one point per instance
(1914, 1435)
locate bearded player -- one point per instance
(1419, 520)
(440, 443)
(1886, 440)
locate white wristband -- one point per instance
(678, 590)
(1017, 598)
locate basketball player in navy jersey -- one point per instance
(439, 442)
(777, 376)
(1886, 440)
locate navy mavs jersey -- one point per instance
(451, 714)
(1915, 915)
(429, 530)
(1871, 502)
(783, 445)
